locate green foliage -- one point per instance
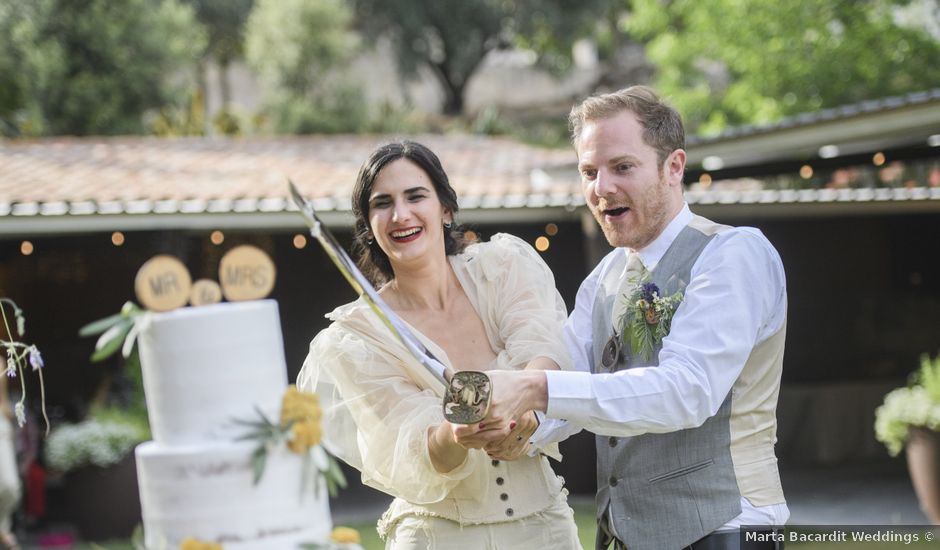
(386, 119)
(292, 43)
(728, 62)
(550, 29)
(647, 317)
(91, 67)
(489, 122)
(224, 21)
(173, 121)
(269, 435)
(916, 405)
(227, 123)
(119, 331)
(450, 38)
(326, 112)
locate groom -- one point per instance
(677, 338)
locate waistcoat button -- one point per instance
(500, 481)
(612, 441)
(612, 481)
(509, 512)
(495, 463)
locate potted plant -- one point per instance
(96, 455)
(910, 419)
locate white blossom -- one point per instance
(20, 413)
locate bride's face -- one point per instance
(405, 215)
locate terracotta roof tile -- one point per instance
(128, 169)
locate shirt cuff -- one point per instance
(569, 393)
(540, 433)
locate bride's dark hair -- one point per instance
(373, 261)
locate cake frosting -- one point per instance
(203, 369)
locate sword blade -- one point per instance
(364, 288)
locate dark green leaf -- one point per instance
(336, 473)
(258, 460)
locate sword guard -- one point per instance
(467, 398)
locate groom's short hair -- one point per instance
(663, 124)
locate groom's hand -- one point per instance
(513, 394)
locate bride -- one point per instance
(478, 306)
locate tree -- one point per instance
(293, 44)
(451, 38)
(728, 62)
(92, 67)
(224, 21)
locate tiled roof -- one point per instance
(66, 185)
(825, 115)
(140, 175)
(787, 196)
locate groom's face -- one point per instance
(631, 194)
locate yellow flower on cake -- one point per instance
(304, 434)
(345, 535)
(299, 430)
(298, 406)
(196, 544)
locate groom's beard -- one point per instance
(646, 219)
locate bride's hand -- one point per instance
(516, 444)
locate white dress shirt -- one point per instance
(736, 299)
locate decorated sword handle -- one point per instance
(467, 397)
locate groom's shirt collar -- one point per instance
(654, 251)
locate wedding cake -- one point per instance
(205, 368)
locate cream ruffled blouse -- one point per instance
(378, 401)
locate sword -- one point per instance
(467, 393)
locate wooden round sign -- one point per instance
(246, 273)
(205, 292)
(163, 283)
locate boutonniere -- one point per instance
(647, 318)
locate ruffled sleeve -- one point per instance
(516, 296)
(376, 416)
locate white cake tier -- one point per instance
(206, 492)
(204, 367)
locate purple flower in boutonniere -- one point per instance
(648, 318)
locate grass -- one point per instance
(584, 517)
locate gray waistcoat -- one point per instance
(662, 491)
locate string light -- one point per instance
(806, 171)
(26, 248)
(217, 237)
(541, 243)
(878, 159)
(551, 230)
(117, 238)
(471, 236)
(705, 179)
(299, 241)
